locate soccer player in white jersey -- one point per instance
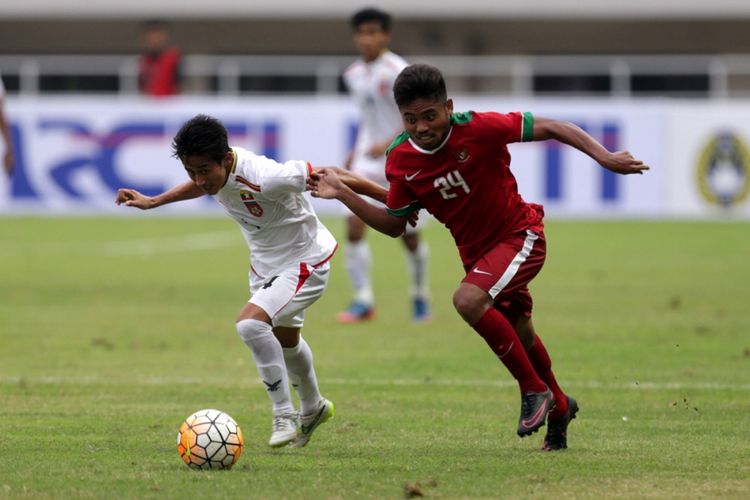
(290, 251)
(5, 132)
(370, 82)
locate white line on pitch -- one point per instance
(591, 384)
(170, 244)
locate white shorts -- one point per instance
(286, 295)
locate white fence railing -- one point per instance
(726, 75)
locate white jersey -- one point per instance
(371, 85)
(277, 220)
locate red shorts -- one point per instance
(506, 270)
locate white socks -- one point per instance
(299, 365)
(358, 265)
(269, 360)
(416, 262)
(278, 366)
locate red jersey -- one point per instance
(466, 182)
(159, 73)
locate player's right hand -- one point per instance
(132, 198)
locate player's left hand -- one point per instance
(622, 162)
(327, 184)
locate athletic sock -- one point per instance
(269, 360)
(504, 342)
(358, 265)
(299, 365)
(543, 366)
(416, 262)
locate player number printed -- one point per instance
(447, 183)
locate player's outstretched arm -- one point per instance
(325, 183)
(361, 185)
(132, 198)
(621, 162)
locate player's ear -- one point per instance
(449, 106)
(228, 158)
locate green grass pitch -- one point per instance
(113, 330)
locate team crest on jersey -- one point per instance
(724, 170)
(251, 203)
(463, 156)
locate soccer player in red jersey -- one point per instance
(456, 166)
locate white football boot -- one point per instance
(308, 423)
(284, 429)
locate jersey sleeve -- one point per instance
(401, 200)
(510, 127)
(274, 179)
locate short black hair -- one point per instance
(419, 81)
(371, 14)
(202, 135)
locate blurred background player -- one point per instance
(457, 167)
(370, 82)
(159, 62)
(5, 132)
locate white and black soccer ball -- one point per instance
(210, 439)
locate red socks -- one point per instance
(543, 367)
(497, 331)
(532, 369)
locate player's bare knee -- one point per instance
(468, 306)
(411, 242)
(355, 229)
(525, 331)
(527, 338)
(287, 336)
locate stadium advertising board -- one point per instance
(73, 153)
(709, 160)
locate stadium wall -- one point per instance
(73, 153)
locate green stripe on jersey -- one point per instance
(400, 138)
(527, 129)
(464, 117)
(404, 212)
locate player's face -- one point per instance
(370, 40)
(155, 39)
(427, 121)
(207, 174)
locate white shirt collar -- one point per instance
(433, 151)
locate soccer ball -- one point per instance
(210, 439)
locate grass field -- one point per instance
(112, 331)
